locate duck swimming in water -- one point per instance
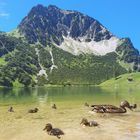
(11, 109)
(35, 110)
(85, 122)
(54, 106)
(113, 109)
(86, 104)
(53, 131)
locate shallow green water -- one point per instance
(74, 95)
(70, 103)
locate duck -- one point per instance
(85, 122)
(112, 108)
(54, 106)
(35, 110)
(53, 131)
(86, 104)
(11, 109)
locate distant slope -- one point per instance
(123, 81)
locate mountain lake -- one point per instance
(21, 125)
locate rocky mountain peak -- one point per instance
(36, 10)
(53, 7)
(51, 24)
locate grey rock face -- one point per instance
(127, 52)
(50, 24)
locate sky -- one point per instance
(121, 17)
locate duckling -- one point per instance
(11, 109)
(35, 110)
(54, 106)
(85, 122)
(53, 131)
(86, 104)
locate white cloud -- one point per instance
(3, 14)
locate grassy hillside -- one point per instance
(84, 69)
(20, 65)
(2, 61)
(123, 81)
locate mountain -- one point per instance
(55, 46)
(54, 24)
(66, 29)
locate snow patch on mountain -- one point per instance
(52, 60)
(42, 72)
(77, 47)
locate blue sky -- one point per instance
(121, 17)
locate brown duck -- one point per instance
(11, 109)
(86, 104)
(112, 108)
(35, 110)
(54, 106)
(85, 122)
(53, 131)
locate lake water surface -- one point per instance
(21, 125)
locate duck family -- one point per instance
(101, 108)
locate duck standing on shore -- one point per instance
(112, 108)
(53, 131)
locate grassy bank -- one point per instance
(123, 81)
